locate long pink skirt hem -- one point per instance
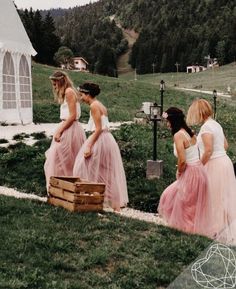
(60, 157)
(183, 204)
(105, 166)
(222, 199)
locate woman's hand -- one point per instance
(57, 136)
(87, 152)
(178, 174)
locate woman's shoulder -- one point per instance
(70, 94)
(210, 126)
(179, 135)
(97, 105)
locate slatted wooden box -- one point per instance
(75, 194)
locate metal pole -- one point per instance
(155, 139)
(214, 98)
(161, 101)
(214, 106)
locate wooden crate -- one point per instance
(75, 194)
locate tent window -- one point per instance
(25, 87)
(9, 83)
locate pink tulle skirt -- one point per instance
(105, 166)
(60, 157)
(183, 204)
(222, 199)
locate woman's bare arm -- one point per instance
(71, 101)
(207, 139)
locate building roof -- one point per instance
(13, 36)
(80, 58)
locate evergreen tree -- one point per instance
(50, 39)
(106, 62)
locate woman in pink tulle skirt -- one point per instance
(220, 172)
(99, 159)
(184, 203)
(69, 135)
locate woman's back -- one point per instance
(191, 152)
(214, 128)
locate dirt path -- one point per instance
(131, 36)
(204, 91)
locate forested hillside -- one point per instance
(170, 32)
(183, 31)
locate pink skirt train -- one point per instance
(104, 166)
(222, 199)
(60, 157)
(183, 204)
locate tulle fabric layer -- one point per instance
(222, 199)
(105, 166)
(183, 204)
(60, 157)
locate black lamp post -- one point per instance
(214, 98)
(162, 89)
(155, 116)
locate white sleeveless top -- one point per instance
(191, 153)
(214, 128)
(104, 120)
(65, 113)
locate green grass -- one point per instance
(123, 96)
(218, 78)
(47, 247)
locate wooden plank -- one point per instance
(89, 199)
(61, 203)
(69, 178)
(63, 183)
(72, 207)
(88, 208)
(89, 187)
(92, 198)
(62, 194)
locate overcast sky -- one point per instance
(47, 4)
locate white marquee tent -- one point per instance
(15, 67)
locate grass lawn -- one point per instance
(47, 247)
(218, 78)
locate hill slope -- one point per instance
(169, 30)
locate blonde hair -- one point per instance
(198, 112)
(63, 82)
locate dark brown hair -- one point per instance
(90, 88)
(177, 121)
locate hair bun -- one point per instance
(92, 88)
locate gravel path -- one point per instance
(127, 212)
(7, 132)
(13, 193)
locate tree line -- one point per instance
(170, 31)
(183, 31)
(81, 31)
(42, 34)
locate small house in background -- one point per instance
(195, 68)
(15, 67)
(80, 64)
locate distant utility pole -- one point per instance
(177, 70)
(177, 66)
(153, 68)
(135, 74)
